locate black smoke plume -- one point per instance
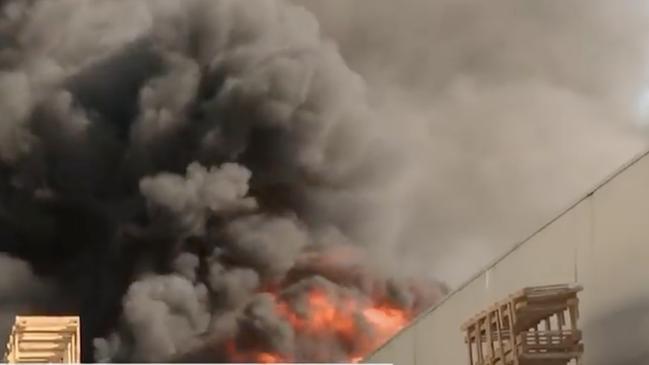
(172, 170)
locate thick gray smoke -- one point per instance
(184, 174)
(199, 175)
(518, 107)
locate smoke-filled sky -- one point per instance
(520, 107)
(190, 153)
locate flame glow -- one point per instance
(362, 325)
(260, 357)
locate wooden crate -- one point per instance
(534, 326)
(40, 339)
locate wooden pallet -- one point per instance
(534, 326)
(36, 339)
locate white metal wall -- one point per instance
(602, 242)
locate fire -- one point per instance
(322, 316)
(361, 325)
(260, 357)
(385, 319)
(268, 358)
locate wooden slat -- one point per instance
(489, 342)
(478, 344)
(501, 349)
(566, 356)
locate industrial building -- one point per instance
(601, 243)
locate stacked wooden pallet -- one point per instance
(36, 339)
(534, 326)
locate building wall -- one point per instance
(602, 243)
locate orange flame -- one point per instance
(261, 357)
(324, 317)
(268, 358)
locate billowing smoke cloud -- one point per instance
(212, 176)
(517, 109)
(200, 178)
